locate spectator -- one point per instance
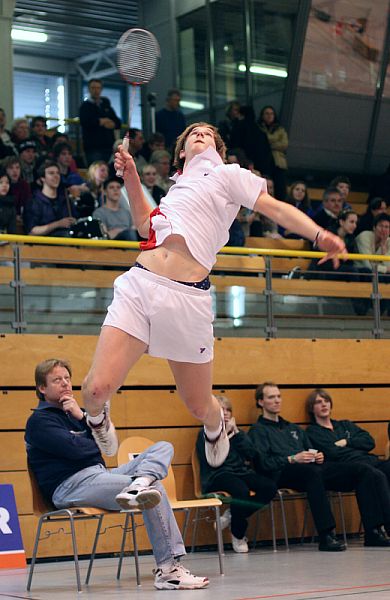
(260, 225)
(377, 242)
(7, 148)
(347, 271)
(237, 478)
(155, 142)
(7, 205)
(332, 204)
(20, 189)
(170, 121)
(299, 197)
(237, 156)
(72, 180)
(161, 160)
(278, 140)
(20, 131)
(286, 458)
(39, 135)
(343, 184)
(136, 142)
(98, 121)
(96, 175)
(153, 192)
(28, 158)
(59, 138)
(116, 219)
(376, 207)
(343, 442)
(49, 212)
(246, 134)
(233, 114)
(70, 471)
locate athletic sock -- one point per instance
(213, 434)
(96, 421)
(144, 481)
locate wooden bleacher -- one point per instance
(355, 372)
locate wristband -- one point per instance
(315, 241)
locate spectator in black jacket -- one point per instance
(237, 477)
(98, 121)
(7, 205)
(332, 205)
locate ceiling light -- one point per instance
(193, 105)
(264, 70)
(23, 35)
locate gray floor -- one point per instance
(303, 573)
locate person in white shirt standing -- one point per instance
(163, 304)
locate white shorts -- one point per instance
(173, 319)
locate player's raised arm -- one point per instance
(295, 220)
(139, 206)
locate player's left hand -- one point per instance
(332, 245)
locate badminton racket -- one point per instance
(138, 59)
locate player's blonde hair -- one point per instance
(220, 147)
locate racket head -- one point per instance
(138, 56)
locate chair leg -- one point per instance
(284, 521)
(95, 542)
(342, 517)
(304, 522)
(135, 545)
(219, 538)
(194, 530)
(34, 554)
(257, 529)
(272, 514)
(75, 552)
(122, 550)
(185, 524)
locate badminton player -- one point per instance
(162, 305)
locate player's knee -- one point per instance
(96, 389)
(200, 412)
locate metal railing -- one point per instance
(16, 242)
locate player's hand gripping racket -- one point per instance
(138, 58)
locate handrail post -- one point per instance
(18, 324)
(376, 303)
(270, 327)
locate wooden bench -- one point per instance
(353, 371)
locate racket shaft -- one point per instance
(125, 145)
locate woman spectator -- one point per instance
(7, 205)
(375, 207)
(96, 175)
(237, 478)
(153, 192)
(233, 114)
(278, 140)
(246, 134)
(299, 198)
(20, 190)
(260, 225)
(161, 160)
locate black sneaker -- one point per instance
(376, 538)
(328, 543)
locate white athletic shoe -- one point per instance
(240, 546)
(105, 434)
(178, 578)
(218, 449)
(135, 496)
(226, 519)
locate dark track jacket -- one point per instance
(58, 446)
(276, 441)
(359, 442)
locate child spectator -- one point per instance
(49, 212)
(7, 206)
(71, 180)
(116, 219)
(28, 156)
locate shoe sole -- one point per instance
(144, 501)
(171, 586)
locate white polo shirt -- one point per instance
(202, 205)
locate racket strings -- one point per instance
(138, 56)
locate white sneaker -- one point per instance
(105, 434)
(178, 578)
(226, 519)
(218, 449)
(134, 496)
(240, 546)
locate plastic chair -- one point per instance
(135, 445)
(47, 513)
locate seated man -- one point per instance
(332, 205)
(49, 212)
(236, 477)
(114, 215)
(286, 452)
(70, 471)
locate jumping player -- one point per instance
(162, 305)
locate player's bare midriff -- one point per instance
(173, 259)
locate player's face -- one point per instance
(198, 140)
(58, 382)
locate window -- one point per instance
(40, 94)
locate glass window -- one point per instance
(228, 23)
(343, 45)
(39, 94)
(273, 29)
(193, 61)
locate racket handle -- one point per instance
(125, 145)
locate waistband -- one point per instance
(200, 285)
